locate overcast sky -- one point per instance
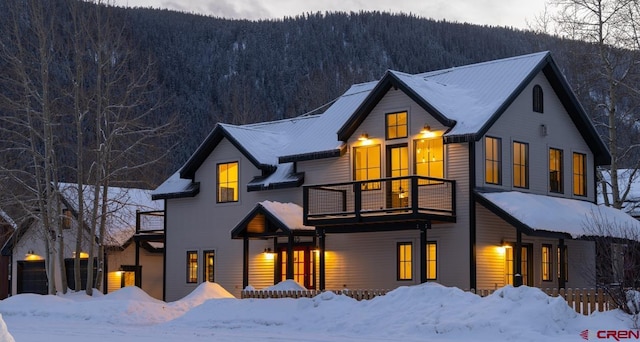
(513, 13)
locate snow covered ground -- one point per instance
(416, 313)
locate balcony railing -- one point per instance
(398, 198)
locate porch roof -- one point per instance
(280, 219)
(541, 215)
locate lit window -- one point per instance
(429, 157)
(520, 165)
(192, 267)
(546, 262)
(367, 165)
(397, 125)
(510, 268)
(538, 99)
(493, 160)
(209, 264)
(555, 170)
(508, 265)
(405, 261)
(228, 182)
(579, 174)
(432, 264)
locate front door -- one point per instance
(303, 266)
(398, 166)
(525, 262)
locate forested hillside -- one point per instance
(238, 71)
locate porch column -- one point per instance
(290, 257)
(321, 242)
(245, 262)
(517, 281)
(423, 251)
(562, 282)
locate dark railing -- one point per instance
(412, 196)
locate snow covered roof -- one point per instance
(6, 218)
(282, 217)
(626, 179)
(540, 215)
(467, 99)
(123, 203)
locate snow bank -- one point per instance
(286, 285)
(201, 294)
(5, 336)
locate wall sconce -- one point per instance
(426, 129)
(30, 252)
(363, 137)
(543, 130)
(269, 254)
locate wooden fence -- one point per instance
(584, 301)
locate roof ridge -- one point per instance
(467, 66)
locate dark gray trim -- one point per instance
(258, 186)
(274, 227)
(191, 191)
(313, 155)
(472, 217)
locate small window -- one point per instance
(538, 99)
(66, 219)
(396, 125)
(192, 267)
(520, 165)
(493, 160)
(367, 166)
(405, 261)
(579, 174)
(209, 264)
(432, 264)
(546, 262)
(555, 170)
(228, 182)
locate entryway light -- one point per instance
(426, 129)
(364, 137)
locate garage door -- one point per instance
(32, 277)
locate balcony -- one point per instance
(399, 199)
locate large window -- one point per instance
(429, 157)
(555, 170)
(303, 266)
(524, 265)
(546, 262)
(520, 165)
(432, 264)
(397, 125)
(367, 165)
(579, 174)
(192, 267)
(405, 261)
(66, 219)
(493, 160)
(228, 182)
(538, 99)
(209, 266)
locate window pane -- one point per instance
(192, 267)
(493, 160)
(209, 263)
(546, 262)
(520, 165)
(228, 182)
(397, 125)
(429, 157)
(431, 261)
(367, 165)
(555, 170)
(579, 174)
(404, 261)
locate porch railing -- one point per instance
(410, 195)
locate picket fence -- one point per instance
(584, 301)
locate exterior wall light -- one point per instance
(363, 137)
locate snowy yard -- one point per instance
(416, 313)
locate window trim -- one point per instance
(497, 162)
(219, 183)
(565, 261)
(560, 170)
(205, 267)
(192, 267)
(525, 165)
(538, 99)
(428, 163)
(548, 262)
(386, 125)
(583, 175)
(401, 263)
